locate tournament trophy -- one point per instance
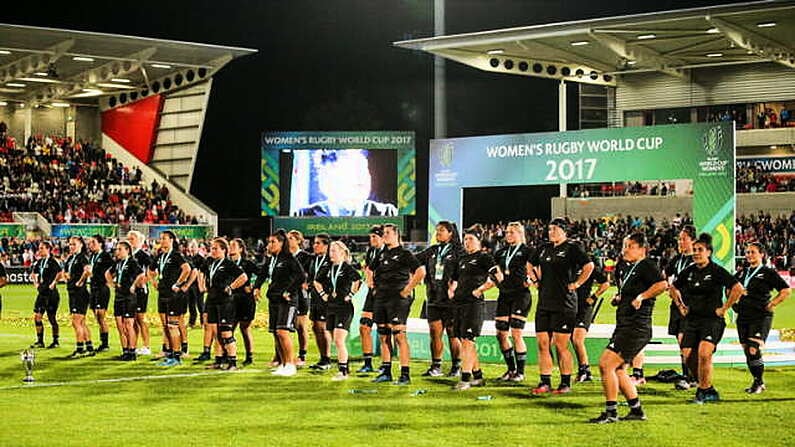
(28, 356)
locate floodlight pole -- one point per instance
(439, 97)
(562, 120)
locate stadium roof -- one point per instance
(38, 65)
(597, 50)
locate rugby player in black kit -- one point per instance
(397, 272)
(755, 310)
(172, 271)
(513, 302)
(438, 260)
(366, 320)
(641, 281)
(99, 263)
(46, 274)
(585, 308)
(558, 263)
(698, 292)
(470, 277)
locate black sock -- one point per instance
(611, 407)
(168, 352)
(177, 355)
(634, 403)
(232, 360)
(436, 363)
(477, 374)
(324, 360)
(565, 380)
(521, 359)
(510, 361)
(55, 338)
(637, 372)
(80, 346)
(89, 346)
(387, 368)
(585, 368)
(368, 359)
(164, 348)
(206, 350)
(466, 376)
(343, 367)
(456, 363)
(302, 354)
(685, 372)
(185, 348)
(249, 356)
(757, 368)
(40, 335)
(546, 379)
(404, 371)
(219, 359)
(103, 337)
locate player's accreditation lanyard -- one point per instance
(42, 267)
(509, 257)
(163, 261)
(334, 278)
(271, 267)
(749, 277)
(680, 265)
(626, 277)
(120, 271)
(438, 274)
(214, 268)
(318, 262)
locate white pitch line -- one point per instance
(127, 379)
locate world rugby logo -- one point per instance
(713, 141)
(446, 155)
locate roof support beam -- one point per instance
(103, 73)
(640, 54)
(760, 45)
(32, 63)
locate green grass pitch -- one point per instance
(100, 401)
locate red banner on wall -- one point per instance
(134, 126)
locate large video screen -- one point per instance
(337, 181)
(340, 182)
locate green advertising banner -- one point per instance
(334, 226)
(702, 152)
(275, 142)
(84, 230)
(182, 231)
(12, 230)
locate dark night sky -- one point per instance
(329, 65)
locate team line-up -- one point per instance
(300, 287)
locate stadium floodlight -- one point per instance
(161, 66)
(713, 31)
(40, 73)
(16, 84)
(646, 36)
(495, 51)
(5, 52)
(3, 103)
(579, 43)
(766, 24)
(714, 54)
(121, 80)
(83, 59)
(60, 104)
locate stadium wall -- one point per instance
(666, 207)
(712, 86)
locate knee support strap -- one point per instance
(383, 330)
(228, 340)
(501, 325)
(225, 328)
(398, 331)
(517, 323)
(366, 322)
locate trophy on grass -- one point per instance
(28, 356)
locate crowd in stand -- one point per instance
(603, 237)
(752, 179)
(77, 182)
(615, 189)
